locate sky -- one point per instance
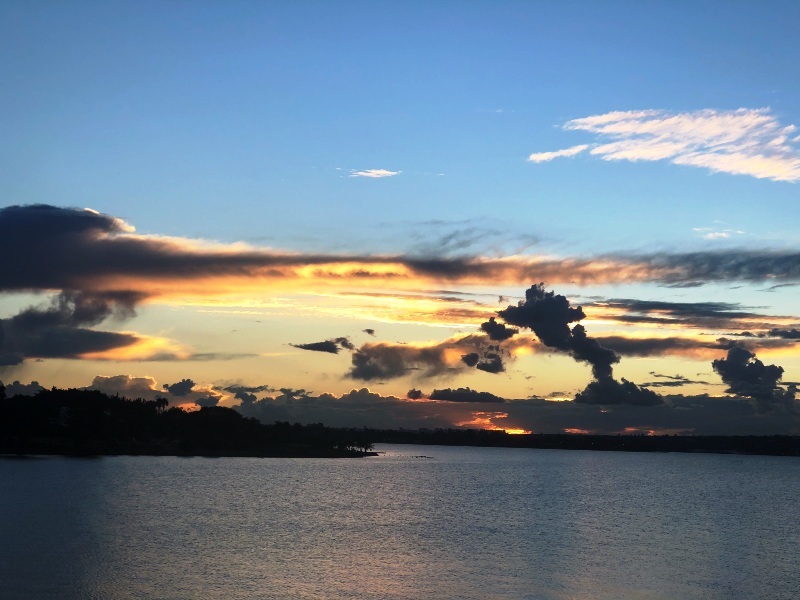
(530, 216)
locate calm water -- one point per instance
(466, 523)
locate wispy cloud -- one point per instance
(538, 157)
(740, 142)
(374, 173)
(710, 234)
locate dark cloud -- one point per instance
(470, 359)
(498, 331)
(369, 331)
(748, 376)
(728, 265)
(464, 395)
(246, 397)
(414, 394)
(548, 315)
(671, 381)
(59, 330)
(786, 334)
(699, 415)
(332, 346)
(326, 346)
(589, 350)
(610, 391)
(716, 315)
(207, 401)
(491, 362)
(247, 394)
(388, 361)
(78, 249)
(180, 389)
(656, 346)
(22, 389)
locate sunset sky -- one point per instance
(343, 212)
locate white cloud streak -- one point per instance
(374, 173)
(739, 142)
(547, 156)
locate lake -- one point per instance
(417, 522)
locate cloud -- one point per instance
(247, 394)
(464, 394)
(741, 142)
(492, 362)
(787, 334)
(548, 315)
(127, 386)
(748, 376)
(538, 157)
(671, 381)
(414, 394)
(374, 173)
(80, 250)
(470, 359)
(699, 415)
(180, 389)
(22, 389)
(497, 331)
(381, 361)
(661, 346)
(607, 391)
(57, 330)
(331, 346)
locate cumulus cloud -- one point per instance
(374, 173)
(180, 389)
(548, 315)
(22, 389)
(127, 386)
(742, 142)
(748, 376)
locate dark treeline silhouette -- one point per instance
(774, 445)
(88, 422)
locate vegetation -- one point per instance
(86, 422)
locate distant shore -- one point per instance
(768, 445)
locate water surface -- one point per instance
(470, 523)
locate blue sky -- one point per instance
(405, 128)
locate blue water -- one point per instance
(465, 523)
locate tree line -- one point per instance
(90, 422)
